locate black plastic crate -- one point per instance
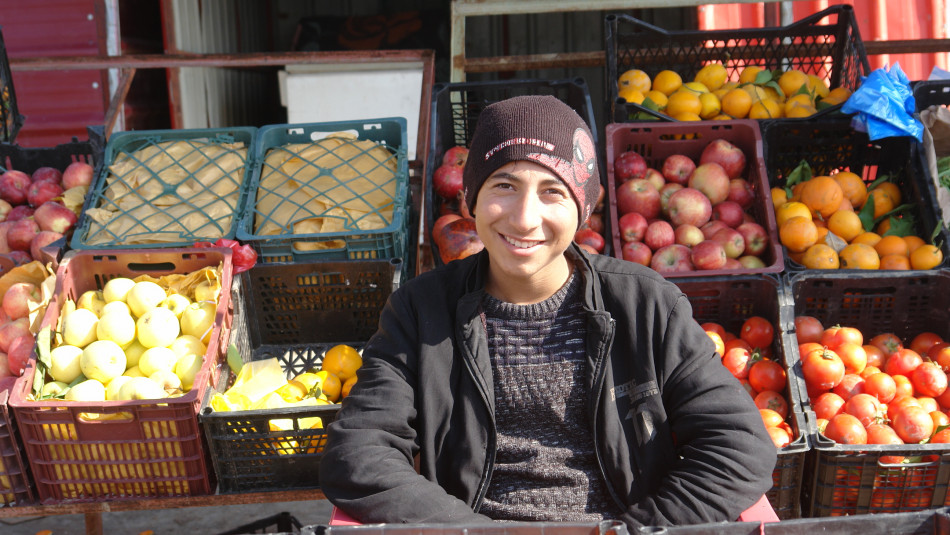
(10, 119)
(282, 522)
(831, 144)
(926, 94)
(826, 44)
(729, 302)
(455, 111)
(29, 159)
(294, 313)
(852, 479)
(16, 484)
(929, 93)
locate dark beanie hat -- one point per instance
(540, 129)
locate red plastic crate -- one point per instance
(656, 141)
(114, 450)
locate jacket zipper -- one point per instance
(490, 449)
(598, 384)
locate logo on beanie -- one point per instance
(579, 170)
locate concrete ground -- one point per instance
(197, 520)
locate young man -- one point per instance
(534, 381)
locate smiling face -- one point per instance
(526, 217)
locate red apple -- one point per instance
(459, 239)
(43, 191)
(5, 208)
(4, 246)
(677, 168)
(655, 178)
(638, 195)
(688, 235)
(21, 211)
(728, 212)
(740, 191)
(13, 186)
(751, 262)
(755, 236)
(672, 259)
(47, 174)
(77, 174)
(16, 301)
(601, 196)
(41, 240)
(628, 166)
(636, 251)
(588, 248)
(21, 233)
(724, 153)
(12, 330)
(732, 263)
(54, 216)
(708, 254)
(689, 206)
(711, 228)
(711, 179)
(666, 191)
(447, 181)
(659, 234)
(441, 222)
(19, 354)
(456, 155)
(590, 237)
(632, 226)
(731, 241)
(596, 222)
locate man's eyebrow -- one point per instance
(547, 182)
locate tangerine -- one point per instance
(817, 86)
(801, 99)
(845, 224)
(711, 106)
(791, 81)
(895, 262)
(854, 189)
(779, 197)
(883, 202)
(798, 233)
(749, 74)
(658, 98)
(667, 82)
(820, 256)
(867, 238)
(683, 101)
(840, 93)
(631, 94)
(789, 210)
(859, 256)
(913, 242)
(798, 111)
(765, 109)
(821, 194)
(891, 245)
(712, 75)
(636, 79)
(736, 103)
(927, 256)
(342, 360)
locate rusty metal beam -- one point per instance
(118, 99)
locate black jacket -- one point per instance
(425, 391)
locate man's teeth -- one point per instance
(521, 244)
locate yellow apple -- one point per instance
(143, 296)
(112, 389)
(117, 289)
(53, 388)
(187, 368)
(166, 379)
(133, 353)
(118, 327)
(158, 328)
(176, 303)
(115, 306)
(92, 300)
(188, 344)
(157, 358)
(102, 360)
(64, 363)
(79, 327)
(198, 320)
(133, 371)
(137, 388)
(88, 390)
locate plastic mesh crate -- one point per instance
(167, 188)
(831, 144)
(656, 141)
(117, 450)
(293, 313)
(844, 479)
(455, 111)
(16, 485)
(826, 44)
(29, 159)
(729, 302)
(10, 119)
(929, 93)
(313, 197)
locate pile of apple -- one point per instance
(16, 338)
(32, 214)
(454, 230)
(130, 341)
(689, 215)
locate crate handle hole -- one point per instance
(157, 266)
(108, 418)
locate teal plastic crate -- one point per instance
(167, 198)
(329, 186)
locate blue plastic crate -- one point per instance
(283, 195)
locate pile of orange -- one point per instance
(820, 227)
(755, 94)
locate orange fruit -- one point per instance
(799, 111)
(791, 81)
(913, 242)
(347, 386)
(822, 234)
(667, 82)
(711, 106)
(883, 202)
(867, 238)
(821, 194)
(845, 205)
(798, 233)
(342, 360)
(840, 94)
(765, 109)
(892, 190)
(685, 116)
(818, 86)
(800, 99)
(779, 197)
(883, 226)
(713, 76)
(797, 257)
(859, 256)
(895, 261)
(736, 103)
(891, 245)
(820, 256)
(926, 256)
(797, 192)
(845, 224)
(749, 73)
(631, 95)
(636, 79)
(789, 210)
(683, 102)
(853, 188)
(658, 98)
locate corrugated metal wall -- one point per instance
(878, 20)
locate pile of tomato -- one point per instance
(872, 388)
(748, 357)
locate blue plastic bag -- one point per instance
(884, 105)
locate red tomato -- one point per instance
(737, 342)
(928, 403)
(944, 399)
(846, 429)
(940, 437)
(904, 386)
(717, 341)
(924, 341)
(913, 424)
(898, 403)
(885, 434)
(875, 355)
(851, 385)
(866, 408)
(714, 327)
(855, 358)
(803, 349)
(827, 405)
(813, 391)
(748, 388)
(902, 362)
(770, 399)
(835, 336)
(758, 331)
(869, 371)
(821, 424)
(940, 419)
(728, 336)
(888, 343)
(780, 436)
(928, 379)
(808, 329)
(767, 375)
(822, 368)
(940, 353)
(738, 361)
(771, 418)
(881, 386)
